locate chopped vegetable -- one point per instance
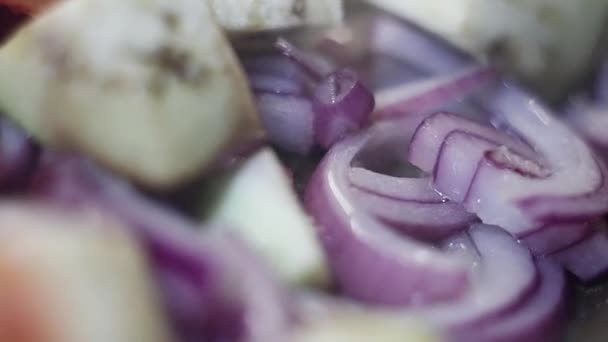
(303, 103)
(259, 204)
(150, 89)
(257, 15)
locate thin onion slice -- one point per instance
(368, 260)
(430, 136)
(302, 102)
(342, 105)
(432, 93)
(399, 188)
(289, 121)
(511, 185)
(505, 277)
(457, 162)
(538, 319)
(427, 221)
(574, 190)
(407, 201)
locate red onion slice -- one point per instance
(421, 220)
(368, 260)
(458, 157)
(289, 121)
(587, 259)
(574, 190)
(512, 186)
(399, 188)
(342, 105)
(430, 136)
(432, 93)
(537, 320)
(405, 202)
(504, 277)
(300, 111)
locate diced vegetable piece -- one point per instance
(150, 88)
(73, 278)
(259, 203)
(242, 15)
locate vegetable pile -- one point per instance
(442, 201)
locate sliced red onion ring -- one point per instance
(574, 190)
(504, 277)
(399, 188)
(299, 113)
(342, 105)
(457, 162)
(459, 155)
(588, 259)
(432, 93)
(429, 138)
(410, 43)
(537, 320)
(512, 186)
(421, 220)
(406, 202)
(369, 261)
(289, 121)
(556, 237)
(513, 297)
(213, 287)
